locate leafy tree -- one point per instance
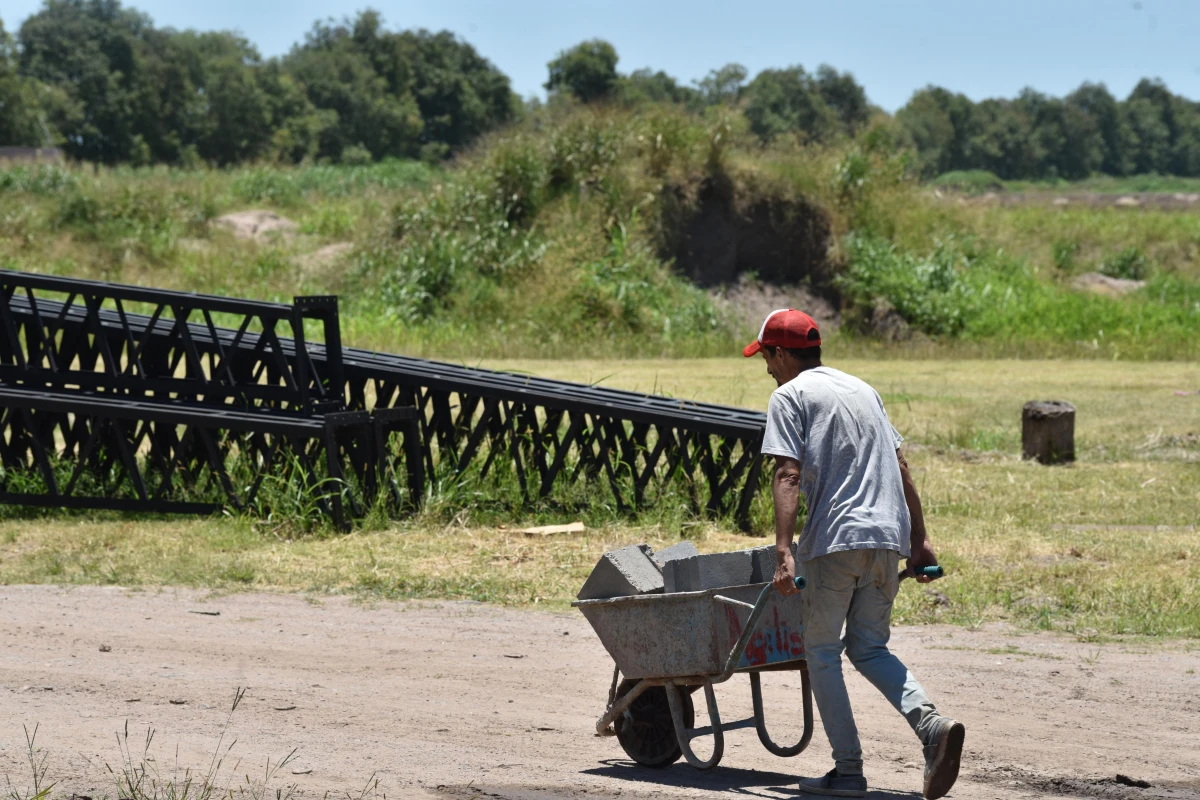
(939, 123)
(722, 86)
(225, 114)
(782, 101)
(350, 70)
(1094, 100)
(297, 126)
(845, 96)
(96, 52)
(1046, 117)
(1153, 136)
(1036, 136)
(1001, 140)
(588, 71)
(459, 92)
(1083, 146)
(22, 117)
(1185, 151)
(398, 94)
(644, 86)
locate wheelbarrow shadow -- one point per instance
(727, 780)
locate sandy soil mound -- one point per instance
(749, 301)
(256, 225)
(325, 267)
(1103, 284)
(327, 256)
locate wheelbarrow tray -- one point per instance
(686, 634)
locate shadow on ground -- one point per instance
(727, 780)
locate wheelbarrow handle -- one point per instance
(933, 573)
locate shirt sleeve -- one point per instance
(897, 439)
(785, 432)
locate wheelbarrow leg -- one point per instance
(760, 723)
(682, 734)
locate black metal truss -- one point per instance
(64, 333)
(549, 433)
(79, 451)
(559, 441)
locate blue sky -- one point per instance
(982, 49)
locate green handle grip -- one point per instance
(800, 582)
(933, 573)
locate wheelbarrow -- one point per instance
(669, 645)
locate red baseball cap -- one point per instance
(786, 327)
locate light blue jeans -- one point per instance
(856, 588)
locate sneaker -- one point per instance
(942, 756)
(835, 785)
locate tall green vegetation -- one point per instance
(561, 236)
(550, 238)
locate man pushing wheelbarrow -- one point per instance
(832, 440)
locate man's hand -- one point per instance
(922, 556)
(785, 573)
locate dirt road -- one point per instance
(454, 700)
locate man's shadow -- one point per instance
(729, 780)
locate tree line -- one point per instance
(108, 86)
(101, 81)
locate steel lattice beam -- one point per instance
(75, 451)
(549, 433)
(62, 333)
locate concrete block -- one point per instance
(764, 563)
(711, 571)
(675, 551)
(681, 574)
(619, 573)
(717, 570)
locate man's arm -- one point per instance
(785, 490)
(922, 554)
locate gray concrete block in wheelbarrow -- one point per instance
(711, 571)
(619, 573)
(764, 563)
(674, 552)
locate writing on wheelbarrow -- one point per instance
(772, 643)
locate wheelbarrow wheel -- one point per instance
(645, 730)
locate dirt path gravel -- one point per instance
(460, 700)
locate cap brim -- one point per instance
(752, 348)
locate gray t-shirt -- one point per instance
(835, 426)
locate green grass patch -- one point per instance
(959, 291)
